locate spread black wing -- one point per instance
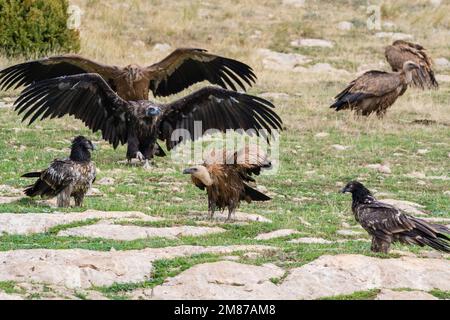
(219, 109)
(86, 96)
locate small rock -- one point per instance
(252, 255)
(394, 35)
(106, 181)
(422, 151)
(435, 3)
(139, 43)
(9, 191)
(322, 135)
(345, 25)
(389, 25)
(177, 199)
(162, 47)
(276, 234)
(340, 148)
(94, 192)
(295, 3)
(304, 222)
(380, 168)
(281, 61)
(262, 189)
(443, 78)
(312, 43)
(310, 240)
(442, 63)
(348, 233)
(386, 294)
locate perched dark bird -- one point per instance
(226, 178)
(140, 123)
(65, 178)
(375, 91)
(387, 224)
(179, 70)
(401, 51)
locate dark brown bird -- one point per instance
(401, 51)
(139, 123)
(65, 178)
(375, 91)
(179, 70)
(387, 224)
(226, 178)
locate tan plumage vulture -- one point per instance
(226, 176)
(179, 70)
(375, 91)
(401, 51)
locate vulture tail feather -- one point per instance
(255, 195)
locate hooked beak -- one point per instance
(187, 171)
(343, 190)
(153, 112)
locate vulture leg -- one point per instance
(63, 199)
(79, 197)
(133, 148)
(211, 209)
(379, 245)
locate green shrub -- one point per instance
(35, 27)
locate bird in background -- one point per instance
(66, 178)
(388, 224)
(375, 91)
(227, 177)
(139, 124)
(401, 51)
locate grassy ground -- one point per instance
(311, 170)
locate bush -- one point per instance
(35, 28)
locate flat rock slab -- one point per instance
(6, 200)
(128, 232)
(312, 43)
(276, 234)
(387, 294)
(29, 223)
(325, 277)
(281, 61)
(238, 217)
(348, 232)
(78, 268)
(309, 240)
(7, 296)
(407, 206)
(394, 35)
(218, 280)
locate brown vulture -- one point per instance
(65, 178)
(401, 51)
(226, 178)
(179, 70)
(140, 123)
(375, 91)
(387, 224)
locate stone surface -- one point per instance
(421, 175)
(239, 216)
(382, 168)
(28, 223)
(339, 147)
(276, 234)
(281, 61)
(128, 232)
(78, 268)
(311, 240)
(443, 78)
(345, 25)
(106, 181)
(218, 280)
(325, 277)
(8, 296)
(394, 35)
(312, 43)
(442, 63)
(6, 200)
(7, 190)
(387, 294)
(295, 3)
(349, 233)
(407, 206)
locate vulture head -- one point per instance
(201, 173)
(409, 67)
(133, 72)
(152, 112)
(81, 149)
(356, 188)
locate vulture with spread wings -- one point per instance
(375, 91)
(139, 123)
(179, 70)
(401, 51)
(387, 224)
